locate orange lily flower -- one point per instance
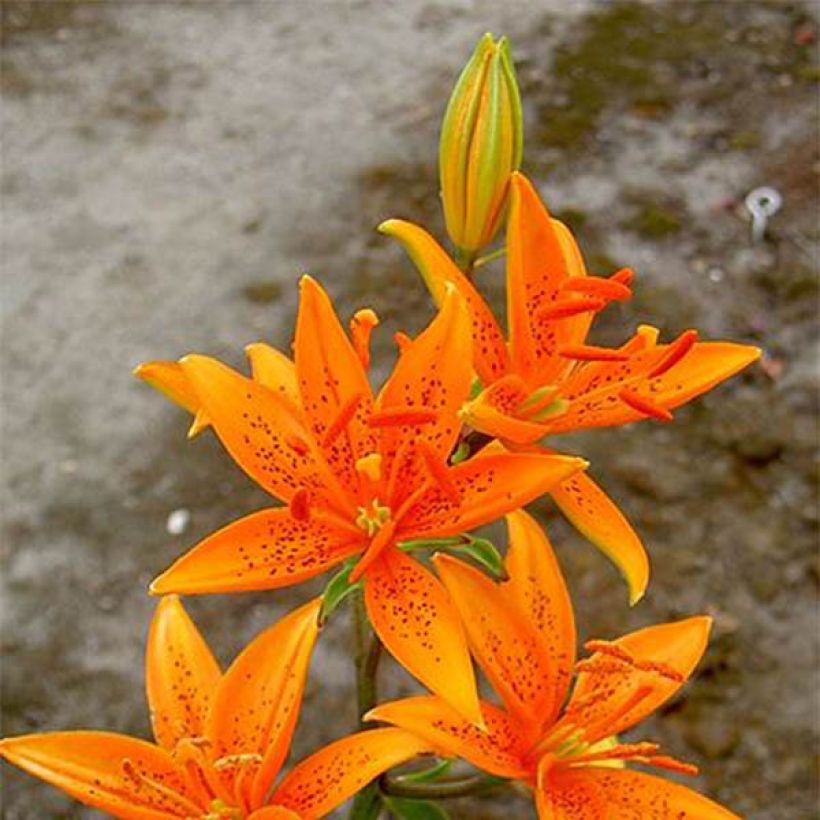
(221, 740)
(522, 634)
(359, 474)
(547, 380)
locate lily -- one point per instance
(522, 634)
(221, 739)
(546, 379)
(359, 473)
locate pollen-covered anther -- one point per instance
(624, 276)
(671, 764)
(439, 473)
(370, 466)
(361, 326)
(595, 286)
(300, 505)
(592, 353)
(566, 308)
(674, 353)
(402, 417)
(644, 405)
(343, 418)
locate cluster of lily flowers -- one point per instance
(371, 482)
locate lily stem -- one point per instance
(461, 787)
(367, 804)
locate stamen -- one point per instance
(623, 751)
(402, 340)
(361, 326)
(624, 276)
(591, 353)
(619, 653)
(441, 475)
(300, 505)
(609, 289)
(298, 445)
(345, 416)
(402, 417)
(673, 765)
(182, 802)
(644, 405)
(564, 309)
(370, 466)
(674, 353)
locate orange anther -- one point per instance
(361, 326)
(609, 289)
(402, 340)
(644, 405)
(591, 353)
(564, 309)
(624, 276)
(402, 417)
(344, 417)
(300, 505)
(672, 765)
(674, 353)
(298, 445)
(438, 469)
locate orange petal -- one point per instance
(537, 585)
(126, 777)
(490, 485)
(259, 429)
(331, 376)
(274, 370)
(274, 813)
(181, 675)
(616, 695)
(541, 256)
(323, 781)
(257, 703)
(594, 514)
(507, 644)
(265, 550)
(490, 356)
(418, 624)
(500, 749)
(494, 412)
(170, 379)
(593, 792)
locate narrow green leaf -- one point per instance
(337, 589)
(403, 808)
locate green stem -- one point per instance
(490, 257)
(461, 787)
(367, 803)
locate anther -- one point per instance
(644, 405)
(564, 309)
(361, 326)
(438, 469)
(343, 418)
(609, 289)
(624, 276)
(298, 445)
(300, 505)
(402, 340)
(591, 353)
(672, 765)
(402, 417)
(674, 353)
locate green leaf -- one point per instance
(337, 589)
(403, 808)
(367, 805)
(429, 774)
(483, 552)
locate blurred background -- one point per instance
(169, 170)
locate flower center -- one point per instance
(219, 810)
(372, 517)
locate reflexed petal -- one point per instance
(332, 382)
(181, 675)
(490, 485)
(537, 585)
(499, 749)
(418, 624)
(323, 781)
(430, 375)
(490, 356)
(126, 777)
(512, 652)
(170, 379)
(261, 432)
(257, 704)
(541, 254)
(593, 793)
(618, 695)
(274, 370)
(265, 550)
(594, 514)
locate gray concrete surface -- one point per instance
(170, 168)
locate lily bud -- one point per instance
(481, 145)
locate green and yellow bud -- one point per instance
(481, 145)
